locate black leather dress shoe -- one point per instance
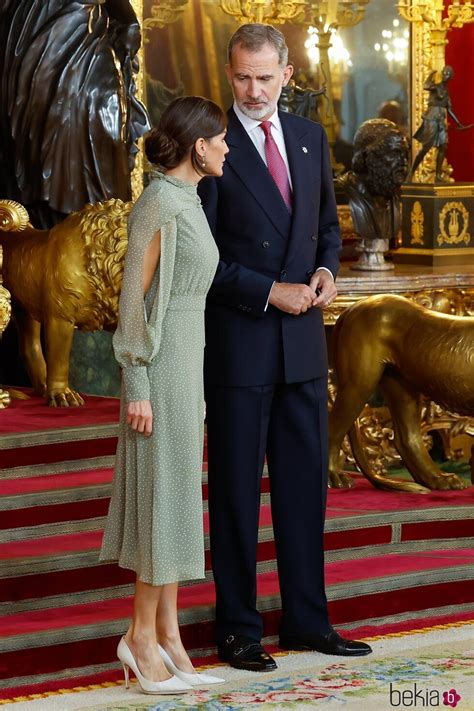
(244, 653)
(331, 643)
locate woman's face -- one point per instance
(216, 151)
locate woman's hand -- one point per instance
(140, 416)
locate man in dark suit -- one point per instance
(273, 215)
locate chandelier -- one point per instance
(394, 45)
(335, 13)
(338, 54)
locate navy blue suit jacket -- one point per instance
(260, 242)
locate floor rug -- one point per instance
(431, 668)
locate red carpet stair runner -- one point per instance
(394, 561)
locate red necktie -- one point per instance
(276, 165)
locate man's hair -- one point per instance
(375, 141)
(254, 36)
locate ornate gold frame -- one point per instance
(137, 175)
(419, 70)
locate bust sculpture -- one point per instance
(379, 167)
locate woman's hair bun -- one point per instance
(162, 149)
(182, 123)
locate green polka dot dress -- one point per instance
(155, 524)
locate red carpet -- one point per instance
(394, 561)
(25, 416)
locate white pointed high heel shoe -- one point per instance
(193, 679)
(169, 686)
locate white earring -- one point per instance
(203, 162)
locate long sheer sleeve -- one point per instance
(137, 339)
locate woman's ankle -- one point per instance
(141, 638)
(168, 638)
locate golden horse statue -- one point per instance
(60, 279)
(407, 351)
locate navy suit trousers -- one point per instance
(288, 424)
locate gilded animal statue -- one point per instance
(60, 279)
(406, 351)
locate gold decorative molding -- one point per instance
(453, 252)
(417, 227)
(376, 435)
(458, 302)
(453, 213)
(414, 190)
(137, 173)
(5, 315)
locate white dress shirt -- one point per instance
(257, 136)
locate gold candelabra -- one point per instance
(164, 12)
(431, 13)
(336, 13)
(327, 16)
(274, 11)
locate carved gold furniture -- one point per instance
(5, 313)
(449, 290)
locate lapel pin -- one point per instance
(304, 149)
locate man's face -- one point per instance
(257, 79)
(387, 166)
(397, 158)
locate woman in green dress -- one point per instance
(155, 524)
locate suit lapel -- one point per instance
(301, 177)
(245, 161)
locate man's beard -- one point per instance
(257, 114)
(381, 180)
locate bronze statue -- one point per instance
(69, 118)
(300, 101)
(379, 167)
(405, 350)
(64, 278)
(433, 132)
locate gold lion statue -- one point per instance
(407, 351)
(63, 278)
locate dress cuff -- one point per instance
(136, 383)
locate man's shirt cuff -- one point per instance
(326, 270)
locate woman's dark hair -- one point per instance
(184, 121)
